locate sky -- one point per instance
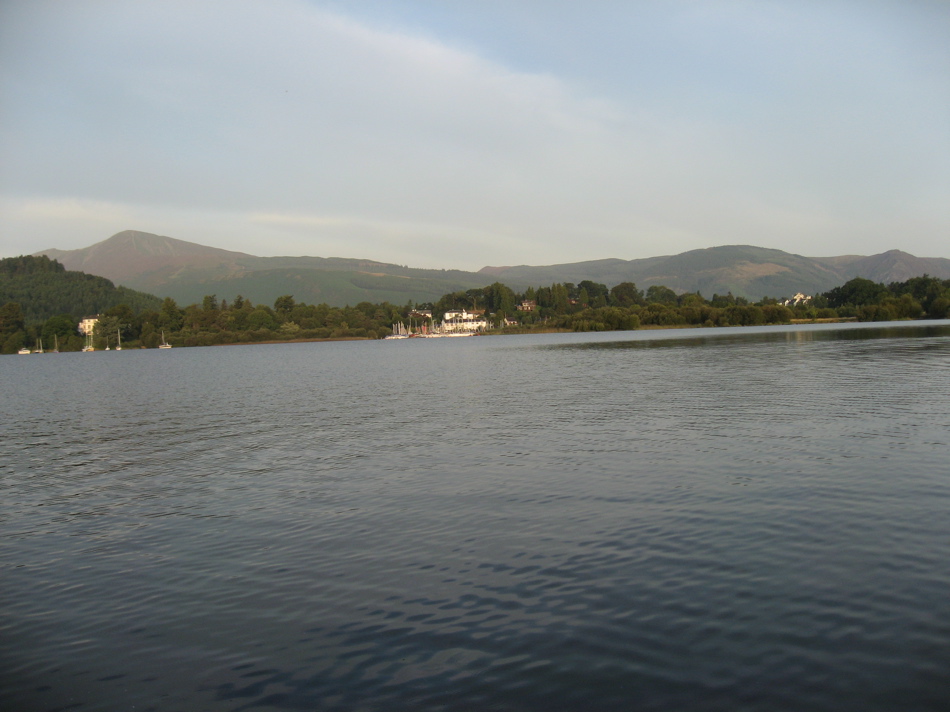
(462, 134)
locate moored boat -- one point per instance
(399, 332)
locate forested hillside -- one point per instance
(43, 288)
(38, 290)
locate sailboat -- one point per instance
(399, 331)
(88, 346)
(55, 344)
(164, 344)
(119, 333)
(39, 346)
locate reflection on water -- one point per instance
(676, 338)
(693, 520)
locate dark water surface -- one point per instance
(730, 519)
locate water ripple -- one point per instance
(742, 519)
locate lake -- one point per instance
(702, 519)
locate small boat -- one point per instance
(164, 344)
(119, 334)
(39, 346)
(24, 351)
(55, 344)
(88, 346)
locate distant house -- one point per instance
(88, 325)
(796, 300)
(462, 320)
(528, 305)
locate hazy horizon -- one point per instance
(419, 133)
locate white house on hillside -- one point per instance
(88, 324)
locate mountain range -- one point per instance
(187, 271)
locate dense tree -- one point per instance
(29, 264)
(58, 328)
(855, 293)
(593, 289)
(939, 308)
(261, 318)
(284, 305)
(12, 334)
(170, 316)
(106, 331)
(691, 299)
(44, 288)
(500, 299)
(122, 312)
(11, 318)
(449, 302)
(658, 294)
(929, 292)
(625, 294)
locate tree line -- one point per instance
(587, 306)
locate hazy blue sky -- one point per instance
(462, 134)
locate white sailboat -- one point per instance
(119, 334)
(399, 332)
(88, 346)
(55, 344)
(39, 346)
(164, 344)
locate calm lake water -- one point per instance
(730, 519)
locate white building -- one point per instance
(88, 324)
(461, 320)
(796, 300)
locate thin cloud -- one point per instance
(289, 128)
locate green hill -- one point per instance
(44, 288)
(744, 270)
(187, 272)
(335, 288)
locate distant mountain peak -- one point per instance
(128, 254)
(147, 243)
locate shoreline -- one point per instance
(649, 327)
(517, 332)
